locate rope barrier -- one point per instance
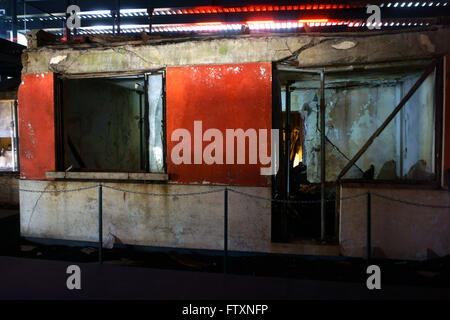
(231, 190)
(165, 194)
(294, 201)
(225, 191)
(47, 191)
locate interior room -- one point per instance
(104, 124)
(356, 104)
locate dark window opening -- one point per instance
(112, 124)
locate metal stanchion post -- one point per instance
(100, 225)
(225, 230)
(369, 227)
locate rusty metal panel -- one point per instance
(223, 97)
(36, 126)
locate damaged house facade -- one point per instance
(93, 113)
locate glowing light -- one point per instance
(208, 23)
(312, 20)
(298, 158)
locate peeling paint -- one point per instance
(344, 45)
(57, 59)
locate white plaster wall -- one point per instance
(183, 222)
(418, 118)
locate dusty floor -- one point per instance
(33, 279)
(430, 273)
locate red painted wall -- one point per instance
(36, 125)
(223, 97)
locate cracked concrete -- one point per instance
(305, 50)
(149, 57)
(183, 222)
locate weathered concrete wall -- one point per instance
(9, 197)
(154, 56)
(102, 120)
(377, 48)
(317, 50)
(399, 231)
(418, 126)
(184, 222)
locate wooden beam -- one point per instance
(405, 99)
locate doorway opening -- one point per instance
(349, 104)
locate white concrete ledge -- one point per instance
(107, 175)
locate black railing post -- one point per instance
(369, 227)
(150, 20)
(323, 178)
(14, 27)
(100, 224)
(225, 230)
(118, 17)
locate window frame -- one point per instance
(92, 174)
(436, 181)
(14, 137)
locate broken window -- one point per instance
(8, 136)
(156, 121)
(112, 124)
(357, 100)
(357, 103)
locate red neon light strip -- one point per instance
(259, 8)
